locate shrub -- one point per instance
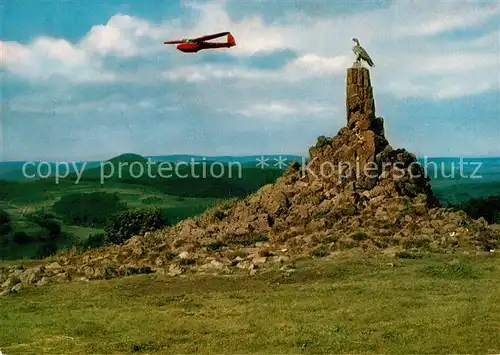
(95, 240)
(152, 200)
(323, 142)
(21, 238)
(47, 249)
(215, 246)
(88, 209)
(360, 236)
(219, 214)
(51, 227)
(123, 225)
(4, 217)
(51, 230)
(5, 223)
(39, 217)
(387, 225)
(488, 207)
(408, 255)
(247, 241)
(5, 228)
(319, 252)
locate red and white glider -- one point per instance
(196, 44)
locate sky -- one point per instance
(92, 79)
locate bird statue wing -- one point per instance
(363, 54)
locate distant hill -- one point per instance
(128, 157)
(11, 171)
(181, 177)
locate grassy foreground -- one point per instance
(445, 304)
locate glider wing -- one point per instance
(172, 42)
(209, 37)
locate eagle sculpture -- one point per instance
(361, 53)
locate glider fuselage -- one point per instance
(195, 47)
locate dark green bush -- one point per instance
(5, 223)
(215, 246)
(5, 228)
(88, 209)
(151, 200)
(319, 252)
(123, 225)
(51, 227)
(4, 217)
(22, 238)
(219, 214)
(408, 255)
(360, 236)
(40, 217)
(95, 240)
(487, 207)
(46, 249)
(248, 240)
(323, 141)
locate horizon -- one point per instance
(91, 85)
(221, 156)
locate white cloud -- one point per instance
(397, 38)
(120, 36)
(446, 17)
(200, 73)
(314, 65)
(251, 33)
(458, 62)
(279, 110)
(306, 66)
(46, 58)
(13, 52)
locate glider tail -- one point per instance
(230, 40)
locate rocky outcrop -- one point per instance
(355, 191)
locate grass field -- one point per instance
(135, 196)
(350, 304)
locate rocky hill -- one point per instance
(355, 191)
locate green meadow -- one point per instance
(351, 304)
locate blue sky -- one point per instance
(90, 80)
